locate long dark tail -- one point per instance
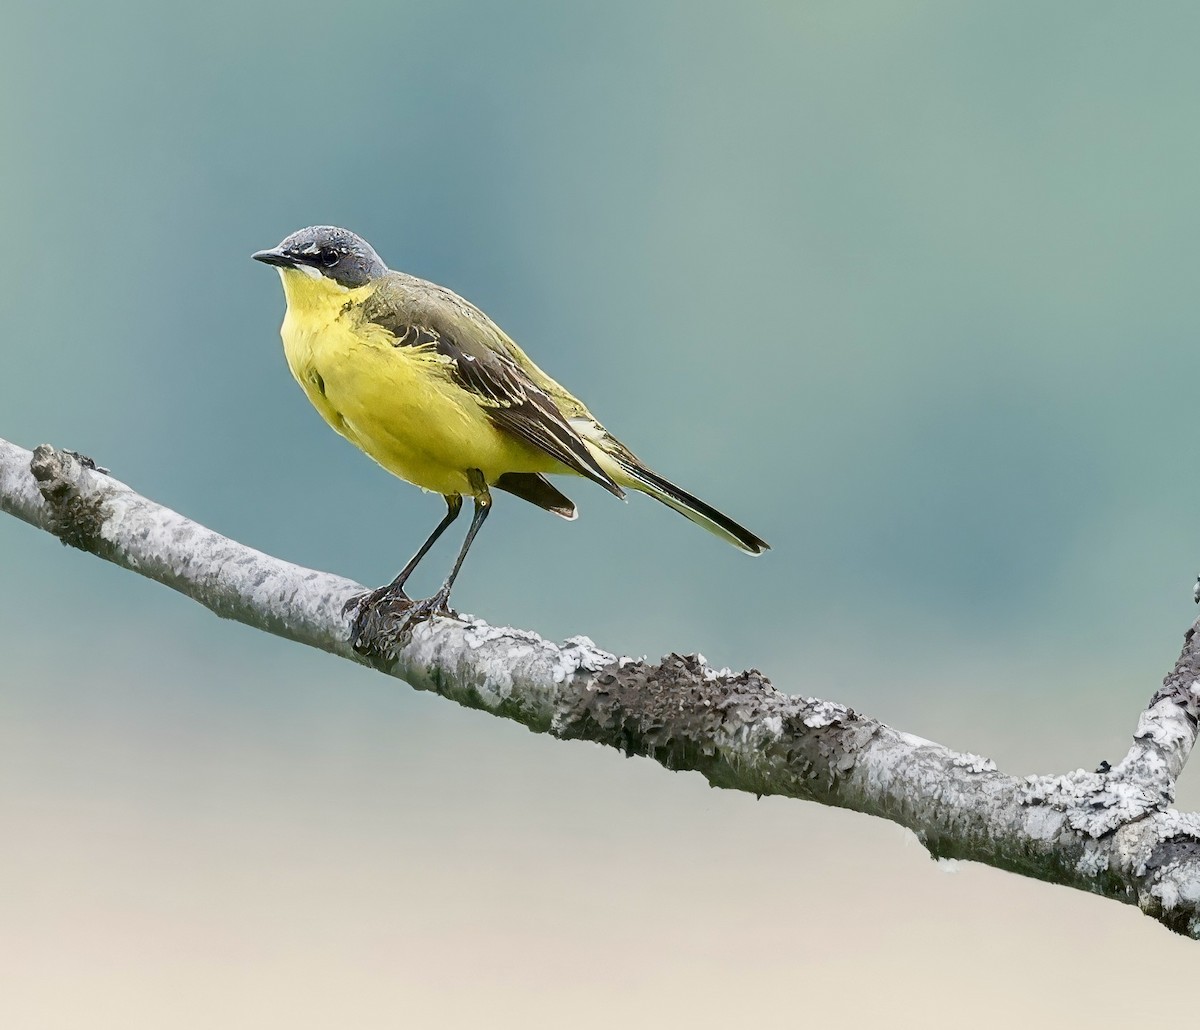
(690, 507)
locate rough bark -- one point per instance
(1111, 831)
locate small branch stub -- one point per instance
(75, 520)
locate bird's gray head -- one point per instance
(326, 250)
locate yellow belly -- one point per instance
(400, 406)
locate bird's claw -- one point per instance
(386, 616)
(428, 608)
(372, 598)
(371, 612)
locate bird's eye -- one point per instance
(329, 258)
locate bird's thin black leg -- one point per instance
(375, 614)
(439, 603)
(395, 589)
(483, 505)
(453, 507)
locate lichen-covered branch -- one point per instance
(1111, 832)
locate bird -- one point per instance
(435, 392)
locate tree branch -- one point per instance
(1111, 832)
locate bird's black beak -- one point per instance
(274, 257)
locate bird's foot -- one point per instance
(437, 606)
(372, 598)
(372, 612)
(381, 620)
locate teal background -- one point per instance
(909, 288)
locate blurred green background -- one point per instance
(909, 288)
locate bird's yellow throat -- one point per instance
(315, 297)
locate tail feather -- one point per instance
(536, 489)
(689, 506)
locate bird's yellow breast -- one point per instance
(399, 405)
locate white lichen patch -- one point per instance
(973, 763)
(1166, 724)
(1043, 823)
(586, 655)
(518, 652)
(1093, 803)
(1167, 826)
(1059, 791)
(741, 735)
(477, 633)
(823, 713)
(773, 725)
(577, 654)
(1095, 860)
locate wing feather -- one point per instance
(419, 314)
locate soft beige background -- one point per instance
(910, 287)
